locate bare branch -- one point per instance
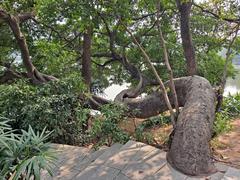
(143, 16)
(156, 75)
(165, 56)
(105, 63)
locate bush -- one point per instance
(56, 105)
(221, 123)
(231, 105)
(105, 127)
(211, 66)
(24, 155)
(142, 135)
(59, 106)
(230, 109)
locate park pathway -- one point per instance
(132, 161)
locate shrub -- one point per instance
(230, 109)
(59, 106)
(231, 105)
(140, 132)
(211, 66)
(105, 127)
(56, 105)
(24, 155)
(221, 123)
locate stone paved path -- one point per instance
(132, 161)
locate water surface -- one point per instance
(233, 85)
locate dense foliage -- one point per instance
(55, 37)
(24, 155)
(59, 106)
(56, 105)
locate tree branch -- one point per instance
(146, 57)
(230, 20)
(165, 56)
(26, 16)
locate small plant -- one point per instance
(221, 123)
(231, 105)
(105, 128)
(140, 132)
(230, 109)
(24, 155)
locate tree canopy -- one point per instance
(55, 31)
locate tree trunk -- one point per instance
(86, 60)
(189, 52)
(13, 22)
(189, 151)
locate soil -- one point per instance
(226, 147)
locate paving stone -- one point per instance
(232, 174)
(97, 173)
(167, 173)
(87, 160)
(69, 158)
(216, 176)
(146, 166)
(144, 152)
(70, 153)
(65, 174)
(115, 148)
(197, 178)
(221, 167)
(121, 176)
(125, 155)
(132, 161)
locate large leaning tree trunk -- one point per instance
(189, 151)
(14, 23)
(184, 8)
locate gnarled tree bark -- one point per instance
(189, 151)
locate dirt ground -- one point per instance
(226, 147)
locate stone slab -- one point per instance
(167, 173)
(232, 174)
(125, 155)
(97, 173)
(115, 148)
(146, 166)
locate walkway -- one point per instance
(132, 161)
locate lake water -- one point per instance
(233, 85)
